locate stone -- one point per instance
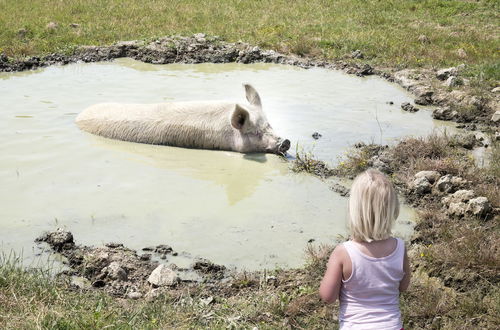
(74, 25)
(443, 74)
(316, 135)
(496, 90)
(380, 165)
(408, 107)
(163, 276)
(452, 82)
(444, 184)
(357, 54)
(338, 188)
(58, 240)
(421, 186)
(460, 196)
(496, 117)
(444, 113)
(134, 295)
(457, 209)
(479, 206)
(115, 271)
(431, 176)
(21, 33)
(461, 53)
(423, 95)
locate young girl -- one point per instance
(368, 272)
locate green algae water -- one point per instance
(248, 211)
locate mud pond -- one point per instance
(247, 211)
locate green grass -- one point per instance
(387, 32)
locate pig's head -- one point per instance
(256, 133)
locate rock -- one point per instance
(316, 135)
(408, 107)
(338, 188)
(431, 176)
(424, 39)
(452, 82)
(460, 196)
(163, 276)
(207, 301)
(51, 26)
(58, 240)
(115, 271)
(496, 90)
(479, 206)
(444, 184)
(423, 95)
(163, 249)
(467, 141)
(421, 186)
(134, 295)
(496, 117)
(379, 164)
(206, 266)
(443, 74)
(74, 25)
(357, 54)
(461, 53)
(457, 209)
(444, 113)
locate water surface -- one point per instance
(249, 211)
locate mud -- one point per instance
(123, 272)
(457, 101)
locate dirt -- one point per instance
(123, 272)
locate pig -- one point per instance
(204, 125)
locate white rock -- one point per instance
(422, 186)
(163, 276)
(478, 206)
(496, 90)
(459, 196)
(134, 295)
(457, 209)
(431, 176)
(496, 116)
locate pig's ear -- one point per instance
(252, 95)
(239, 117)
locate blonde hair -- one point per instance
(373, 207)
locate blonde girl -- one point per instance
(368, 272)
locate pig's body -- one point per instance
(204, 125)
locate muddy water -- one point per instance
(249, 211)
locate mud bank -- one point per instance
(445, 88)
(126, 273)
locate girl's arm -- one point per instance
(332, 280)
(405, 282)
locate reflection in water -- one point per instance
(235, 209)
(239, 174)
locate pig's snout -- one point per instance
(283, 146)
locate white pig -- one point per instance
(204, 125)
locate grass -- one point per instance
(387, 32)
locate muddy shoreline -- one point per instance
(445, 88)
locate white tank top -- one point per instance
(369, 299)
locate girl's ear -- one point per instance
(239, 117)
